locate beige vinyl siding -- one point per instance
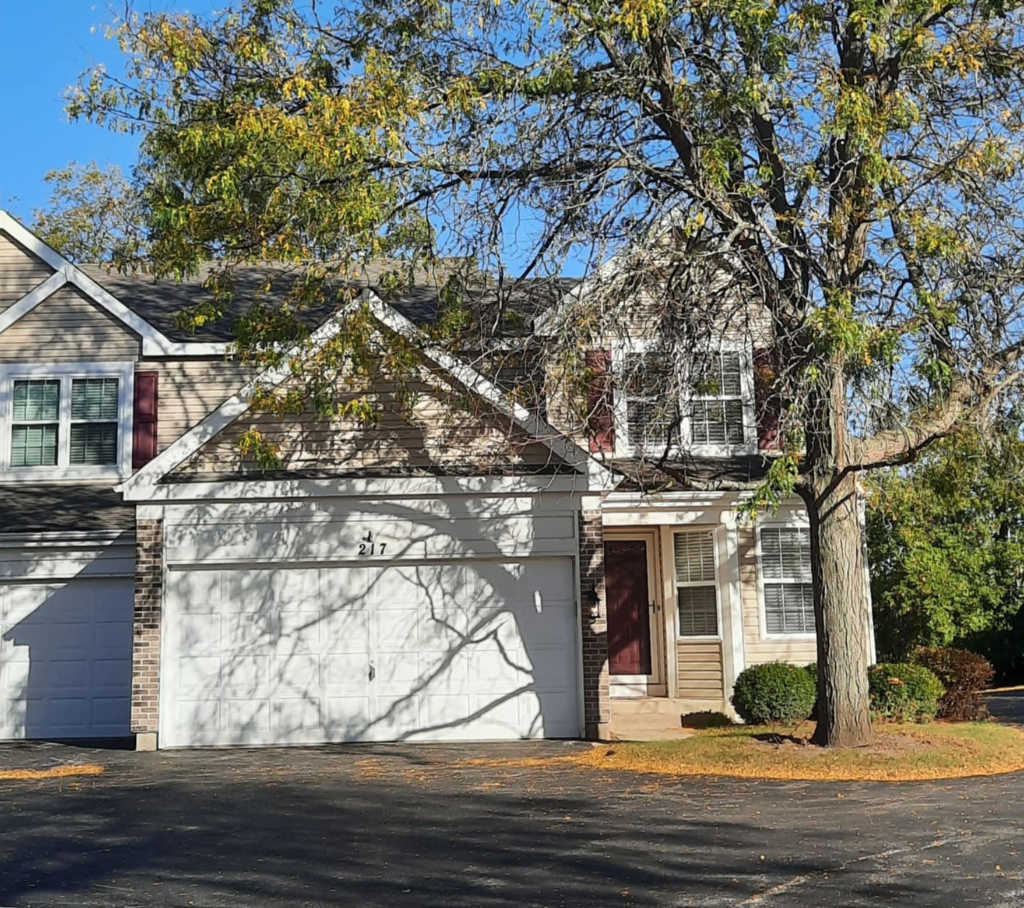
(67, 327)
(20, 271)
(700, 672)
(440, 432)
(799, 650)
(189, 390)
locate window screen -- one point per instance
(94, 406)
(35, 423)
(786, 573)
(651, 416)
(717, 407)
(697, 595)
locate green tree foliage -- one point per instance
(94, 214)
(946, 546)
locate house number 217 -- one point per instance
(368, 547)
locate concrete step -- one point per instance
(659, 734)
(663, 706)
(654, 718)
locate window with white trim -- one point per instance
(696, 588)
(662, 407)
(716, 416)
(65, 420)
(35, 423)
(786, 579)
(651, 419)
(94, 409)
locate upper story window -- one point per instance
(659, 407)
(65, 420)
(717, 404)
(651, 419)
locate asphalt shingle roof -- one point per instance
(160, 301)
(55, 507)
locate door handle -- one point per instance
(373, 672)
(653, 606)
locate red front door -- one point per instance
(629, 630)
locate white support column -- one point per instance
(733, 656)
(668, 611)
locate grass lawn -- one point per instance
(937, 750)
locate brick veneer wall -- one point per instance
(596, 706)
(149, 583)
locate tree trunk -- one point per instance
(840, 612)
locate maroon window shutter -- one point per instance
(766, 398)
(600, 407)
(144, 418)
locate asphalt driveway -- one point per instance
(402, 825)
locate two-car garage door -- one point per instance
(436, 650)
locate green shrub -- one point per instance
(964, 675)
(904, 692)
(774, 692)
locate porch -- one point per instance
(666, 633)
(686, 609)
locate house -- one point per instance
(467, 572)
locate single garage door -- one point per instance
(454, 650)
(65, 658)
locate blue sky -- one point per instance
(44, 45)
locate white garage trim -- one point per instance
(393, 487)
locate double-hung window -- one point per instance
(716, 407)
(696, 589)
(665, 404)
(65, 420)
(786, 580)
(35, 422)
(94, 412)
(652, 411)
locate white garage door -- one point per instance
(432, 651)
(65, 658)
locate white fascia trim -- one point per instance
(141, 485)
(186, 348)
(33, 298)
(600, 477)
(154, 342)
(370, 487)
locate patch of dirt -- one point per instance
(883, 746)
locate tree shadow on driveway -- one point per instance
(371, 826)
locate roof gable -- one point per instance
(155, 342)
(193, 441)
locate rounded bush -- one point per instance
(964, 675)
(904, 692)
(774, 692)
